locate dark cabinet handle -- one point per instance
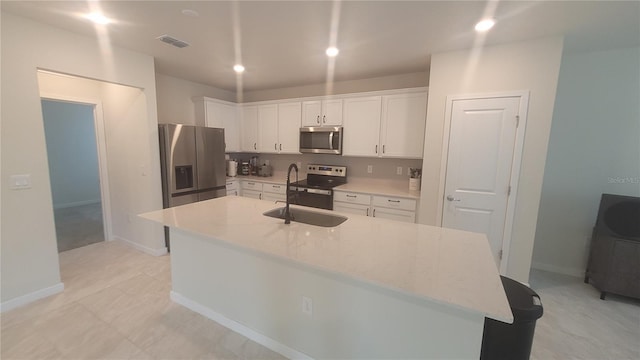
(352, 196)
(395, 201)
(318, 119)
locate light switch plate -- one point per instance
(399, 170)
(369, 169)
(20, 182)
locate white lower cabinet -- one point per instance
(274, 192)
(394, 208)
(252, 189)
(233, 187)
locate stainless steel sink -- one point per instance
(308, 217)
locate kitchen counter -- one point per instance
(448, 274)
(380, 187)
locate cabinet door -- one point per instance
(403, 123)
(252, 194)
(393, 214)
(268, 128)
(331, 112)
(351, 208)
(213, 114)
(249, 125)
(229, 114)
(289, 115)
(361, 136)
(273, 197)
(311, 113)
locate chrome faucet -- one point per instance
(287, 212)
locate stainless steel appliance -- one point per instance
(317, 189)
(321, 140)
(192, 163)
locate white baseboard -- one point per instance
(239, 328)
(558, 269)
(31, 297)
(148, 250)
(77, 203)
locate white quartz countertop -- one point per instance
(444, 265)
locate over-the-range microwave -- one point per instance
(321, 140)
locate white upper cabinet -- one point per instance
(249, 127)
(289, 115)
(361, 134)
(385, 126)
(322, 112)
(268, 128)
(403, 123)
(279, 128)
(220, 114)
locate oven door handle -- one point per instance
(310, 191)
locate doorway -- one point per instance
(483, 151)
(72, 152)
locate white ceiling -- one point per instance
(282, 43)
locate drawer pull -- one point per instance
(250, 183)
(276, 186)
(394, 201)
(352, 196)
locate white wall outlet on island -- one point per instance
(399, 170)
(369, 169)
(307, 305)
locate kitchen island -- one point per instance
(368, 288)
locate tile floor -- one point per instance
(116, 306)
(78, 226)
(576, 324)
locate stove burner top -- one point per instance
(324, 177)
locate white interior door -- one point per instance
(482, 143)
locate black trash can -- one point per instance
(512, 341)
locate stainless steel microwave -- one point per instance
(321, 140)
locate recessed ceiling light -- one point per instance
(189, 12)
(238, 68)
(484, 25)
(332, 51)
(98, 18)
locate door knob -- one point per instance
(451, 198)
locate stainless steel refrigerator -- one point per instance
(192, 164)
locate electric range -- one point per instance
(317, 189)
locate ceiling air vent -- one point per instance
(172, 41)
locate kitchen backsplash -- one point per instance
(356, 166)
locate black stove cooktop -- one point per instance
(324, 177)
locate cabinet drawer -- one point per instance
(232, 185)
(274, 188)
(351, 208)
(252, 185)
(273, 196)
(394, 203)
(354, 198)
(252, 194)
(394, 214)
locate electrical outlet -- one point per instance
(399, 170)
(307, 305)
(369, 169)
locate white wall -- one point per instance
(29, 259)
(175, 104)
(594, 148)
(531, 66)
(401, 81)
(72, 153)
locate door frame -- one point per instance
(515, 163)
(101, 142)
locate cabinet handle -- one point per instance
(275, 146)
(395, 201)
(376, 149)
(352, 196)
(324, 119)
(276, 186)
(280, 147)
(250, 183)
(260, 196)
(367, 211)
(383, 148)
(254, 146)
(318, 119)
(374, 212)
